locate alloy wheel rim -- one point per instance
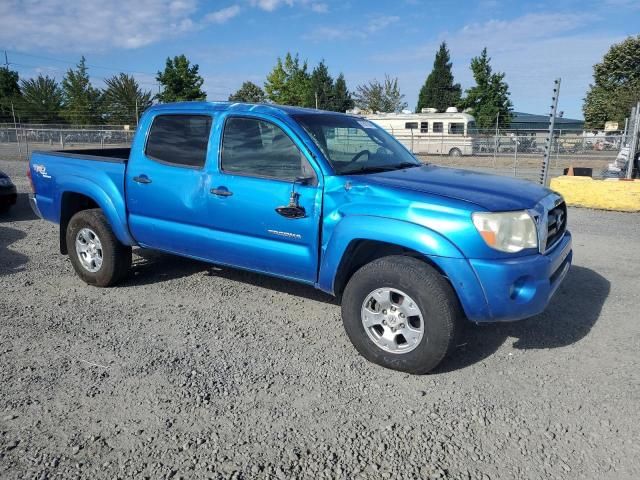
(89, 250)
(392, 319)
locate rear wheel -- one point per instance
(96, 254)
(399, 312)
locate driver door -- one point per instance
(259, 165)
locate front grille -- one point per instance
(556, 224)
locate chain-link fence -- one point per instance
(518, 154)
(513, 154)
(24, 139)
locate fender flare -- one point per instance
(370, 227)
(113, 205)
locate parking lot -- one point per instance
(192, 371)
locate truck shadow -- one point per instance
(150, 266)
(10, 260)
(573, 311)
(20, 212)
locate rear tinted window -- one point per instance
(411, 125)
(179, 139)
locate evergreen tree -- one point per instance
(123, 100)
(438, 90)
(9, 94)
(321, 89)
(249, 92)
(380, 97)
(41, 99)
(180, 81)
(616, 86)
(81, 102)
(342, 100)
(289, 82)
(489, 99)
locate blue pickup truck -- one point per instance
(322, 198)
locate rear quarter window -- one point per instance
(180, 140)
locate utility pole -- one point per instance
(137, 113)
(544, 174)
(316, 100)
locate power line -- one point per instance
(69, 62)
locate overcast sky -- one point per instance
(233, 41)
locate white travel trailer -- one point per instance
(430, 133)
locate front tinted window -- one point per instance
(355, 145)
(437, 127)
(424, 127)
(411, 125)
(179, 139)
(261, 149)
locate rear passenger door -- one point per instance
(259, 163)
(167, 184)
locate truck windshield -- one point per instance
(355, 145)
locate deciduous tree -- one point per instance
(9, 93)
(249, 92)
(616, 86)
(380, 97)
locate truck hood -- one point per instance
(491, 192)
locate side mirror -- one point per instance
(303, 180)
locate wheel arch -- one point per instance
(87, 195)
(360, 239)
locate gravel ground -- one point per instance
(191, 371)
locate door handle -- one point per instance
(221, 192)
(142, 179)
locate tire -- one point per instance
(423, 286)
(455, 152)
(115, 258)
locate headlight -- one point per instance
(507, 231)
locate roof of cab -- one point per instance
(278, 110)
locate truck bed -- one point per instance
(118, 155)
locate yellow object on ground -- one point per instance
(620, 195)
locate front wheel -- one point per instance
(399, 312)
(96, 254)
(455, 152)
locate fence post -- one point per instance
(558, 147)
(515, 159)
(634, 143)
(544, 174)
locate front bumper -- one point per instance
(521, 287)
